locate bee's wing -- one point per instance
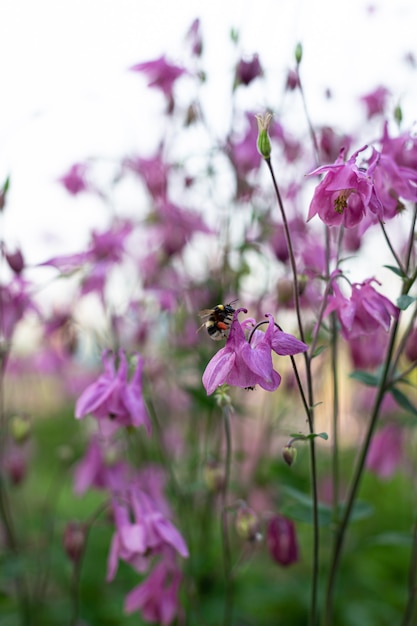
(205, 313)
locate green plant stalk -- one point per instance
(412, 583)
(309, 409)
(227, 557)
(345, 518)
(335, 417)
(22, 591)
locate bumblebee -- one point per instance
(219, 320)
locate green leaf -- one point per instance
(391, 539)
(299, 507)
(302, 437)
(396, 270)
(318, 351)
(402, 400)
(365, 377)
(404, 301)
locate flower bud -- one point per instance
(247, 523)
(282, 541)
(213, 475)
(264, 143)
(289, 454)
(74, 540)
(20, 428)
(298, 53)
(15, 261)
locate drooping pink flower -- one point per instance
(15, 301)
(195, 38)
(153, 171)
(75, 180)
(375, 101)
(142, 531)
(403, 149)
(101, 467)
(345, 194)
(393, 184)
(282, 540)
(157, 597)
(244, 364)
(386, 451)
(113, 398)
(363, 312)
(161, 74)
(247, 70)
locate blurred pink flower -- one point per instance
(363, 312)
(161, 74)
(75, 180)
(113, 398)
(386, 451)
(247, 70)
(282, 540)
(157, 597)
(142, 531)
(375, 101)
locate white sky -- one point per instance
(66, 93)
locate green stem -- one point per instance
(412, 583)
(308, 406)
(344, 521)
(227, 558)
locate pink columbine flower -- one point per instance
(247, 70)
(154, 172)
(161, 74)
(142, 531)
(113, 398)
(157, 597)
(244, 364)
(375, 101)
(282, 540)
(364, 312)
(386, 451)
(75, 180)
(345, 194)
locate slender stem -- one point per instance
(412, 583)
(335, 442)
(227, 558)
(344, 522)
(390, 246)
(308, 405)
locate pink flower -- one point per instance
(157, 597)
(112, 398)
(161, 74)
(386, 451)
(244, 364)
(282, 540)
(75, 180)
(153, 171)
(15, 301)
(345, 193)
(248, 70)
(364, 312)
(141, 531)
(375, 101)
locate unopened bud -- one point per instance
(247, 523)
(298, 53)
(264, 143)
(20, 428)
(74, 540)
(214, 475)
(289, 454)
